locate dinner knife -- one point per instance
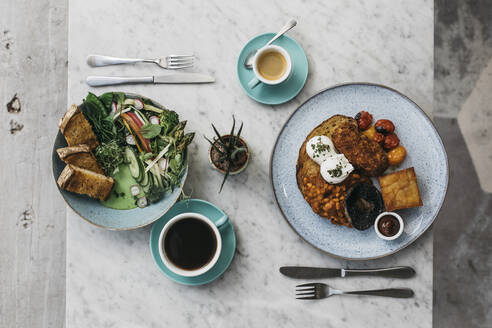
(318, 273)
(175, 78)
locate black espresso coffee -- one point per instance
(190, 244)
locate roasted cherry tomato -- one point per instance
(364, 120)
(391, 141)
(384, 126)
(378, 137)
(397, 155)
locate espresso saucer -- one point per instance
(228, 241)
(285, 91)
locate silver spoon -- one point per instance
(248, 62)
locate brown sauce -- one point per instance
(388, 225)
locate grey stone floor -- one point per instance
(463, 232)
(32, 64)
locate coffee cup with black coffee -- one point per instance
(190, 244)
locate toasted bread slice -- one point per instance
(80, 156)
(309, 178)
(82, 181)
(305, 165)
(400, 190)
(76, 129)
(328, 127)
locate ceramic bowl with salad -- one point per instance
(120, 159)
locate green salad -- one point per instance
(137, 137)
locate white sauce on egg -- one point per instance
(336, 169)
(320, 148)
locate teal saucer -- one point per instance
(281, 93)
(226, 231)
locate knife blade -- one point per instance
(175, 78)
(319, 273)
(184, 78)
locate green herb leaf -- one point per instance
(102, 125)
(94, 100)
(106, 99)
(155, 194)
(168, 120)
(119, 97)
(150, 131)
(109, 155)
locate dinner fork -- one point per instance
(316, 291)
(167, 62)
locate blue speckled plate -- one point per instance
(274, 94)
(226, 231)
(94, 212)
(425, 152)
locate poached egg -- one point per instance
(320, 148)
(334, 167)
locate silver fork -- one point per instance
(316, 291)
(168, 62)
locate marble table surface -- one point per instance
(111, 278)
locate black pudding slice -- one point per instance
(363, 204)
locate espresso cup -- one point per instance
(190, 243)
(271, 65)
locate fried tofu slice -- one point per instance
(400, 190)
(363, 153)
(80, 156)
(76, 129)
(83, 181)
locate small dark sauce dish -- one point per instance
(388, 226)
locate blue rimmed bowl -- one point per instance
(94, 212)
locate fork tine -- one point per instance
(180, 56)
(303, 289)
(179, 66)
(187, 62)
(307, 293)
(306, 298)
(307, 285)
(180, 60)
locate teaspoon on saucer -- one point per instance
(248, 62)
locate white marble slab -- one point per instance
(111, 278)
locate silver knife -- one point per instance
(318, 273)
(99, 81)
